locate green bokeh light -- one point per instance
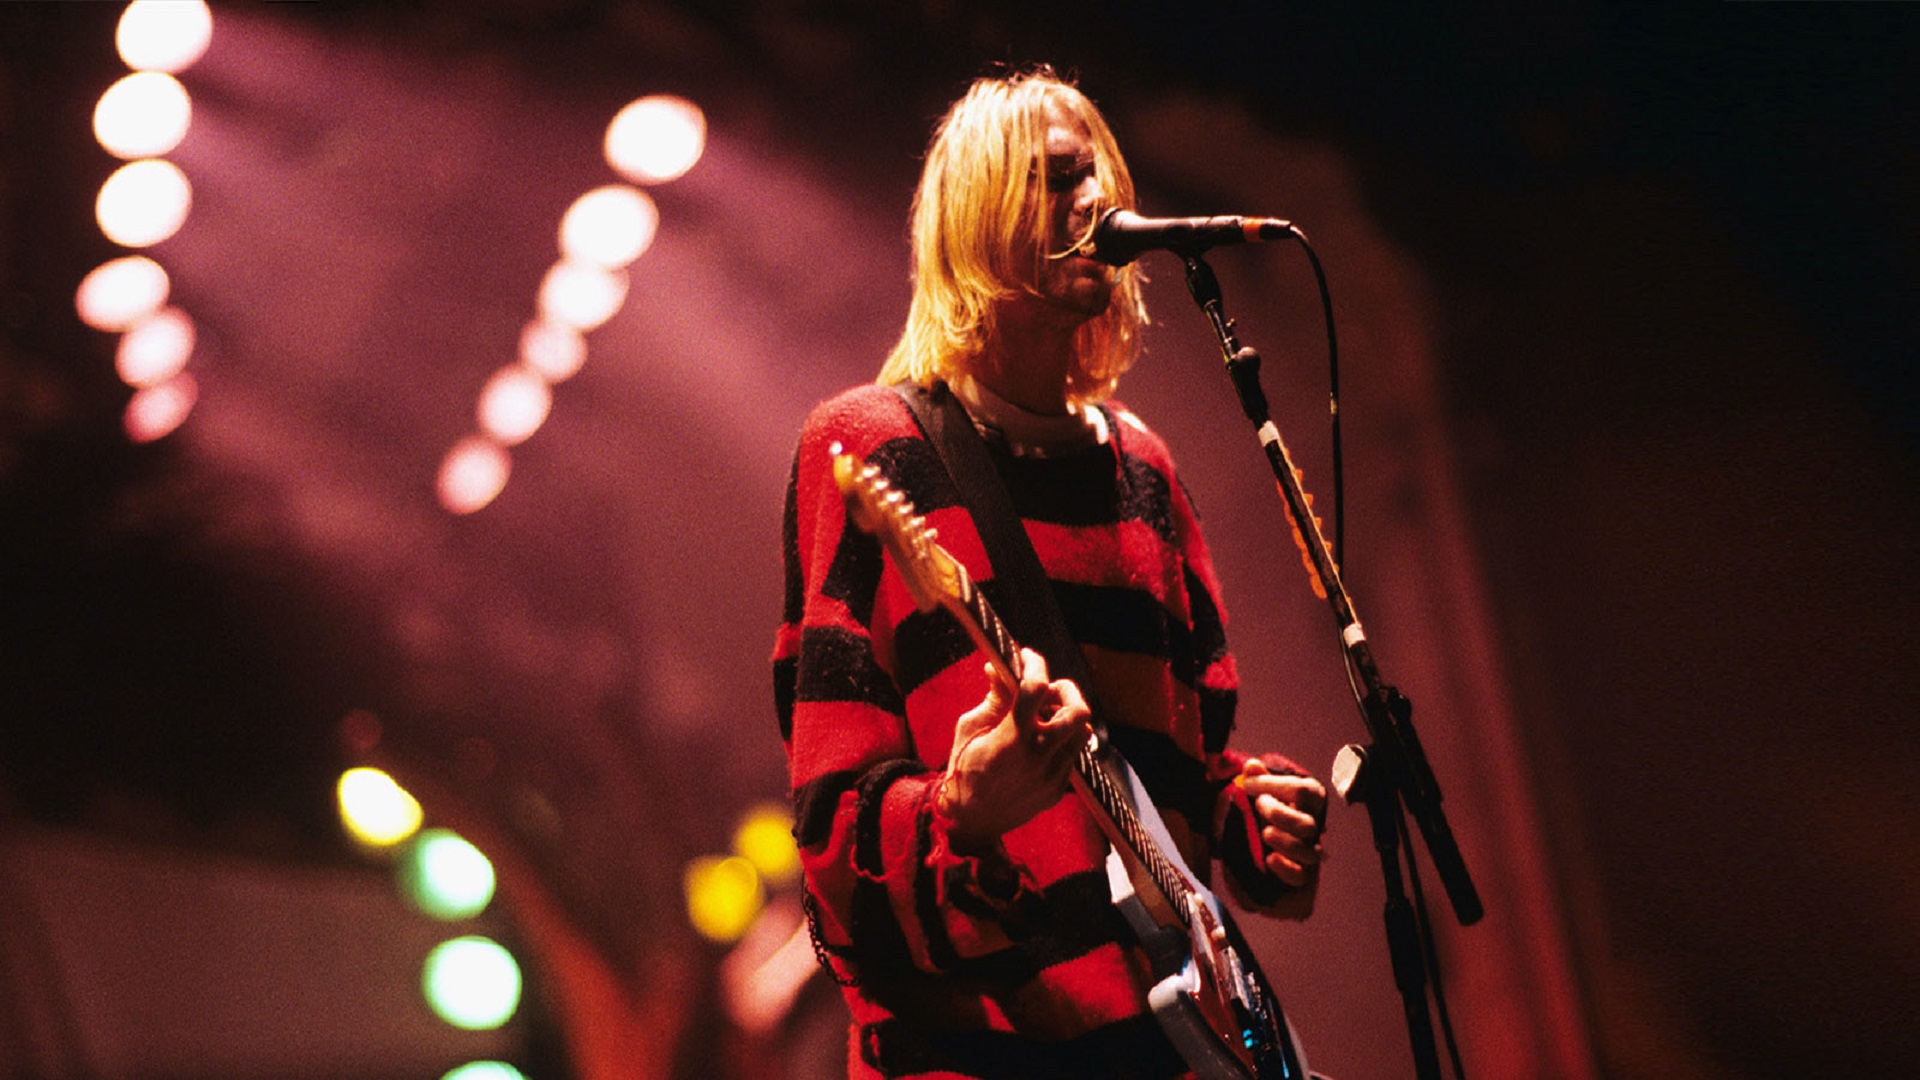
(485, 1070)
(446, 877)
(471, 983)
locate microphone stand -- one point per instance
(1392, 770)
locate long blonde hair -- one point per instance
(980, 206)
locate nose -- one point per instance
(1088, 194)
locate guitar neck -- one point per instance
(1099, 783)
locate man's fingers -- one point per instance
(1274, 812)
(1290, 871)
(1292, 838)
(1292, 812)
(1001, 695)
(1032, 689)
(1302, 793)
(1067, 693)
(1065, 728)
(1304, 848)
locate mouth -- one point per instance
(1082, 247)
(1081, 252)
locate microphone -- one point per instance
(1123, 236)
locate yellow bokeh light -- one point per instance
(724, 896)
(375, 809)
(765, 838)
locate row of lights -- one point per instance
(146, 114)
(470, 981)
(139, 119)
(446, 877)
(650, 141)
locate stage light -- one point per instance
(553, 350)
(375, 809)
(155, 349)
(143, 202)
(514, 404)
(765, 838)
(472, 474)
(723, 896)
(471, 983)
(581, 295)
(143, 115)
(445, 876)
(119, 293)
(609, 226)
(656, 139)
(154, 413)
(164, 35)
(484, 1070)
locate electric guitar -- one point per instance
(1210, 997)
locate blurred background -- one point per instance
(396, 401)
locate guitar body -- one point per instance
(1215, 1008)
(1209, 995)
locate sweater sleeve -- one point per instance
(886, 889)
(1236, 828)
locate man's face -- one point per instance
(1074, 283)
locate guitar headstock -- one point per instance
(932, 575)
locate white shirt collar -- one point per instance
(1031, 434)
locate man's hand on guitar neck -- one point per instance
(1011, 755)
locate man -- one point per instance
(956, 886)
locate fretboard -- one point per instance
(1100, 785)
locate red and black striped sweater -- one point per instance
(1016, 965)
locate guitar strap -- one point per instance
(1025, 598)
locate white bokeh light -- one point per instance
(156, 348)
(155, 412)
(121, 292)
(656, 139)
(145, 114)
(609, 226)
(581, 295)
(143, 202)
(514, 404)
(553, 350)
(472, 474)
(164, 35)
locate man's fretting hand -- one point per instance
(1011, 754)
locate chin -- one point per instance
(1097, 300)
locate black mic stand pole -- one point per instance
(1392, 770)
